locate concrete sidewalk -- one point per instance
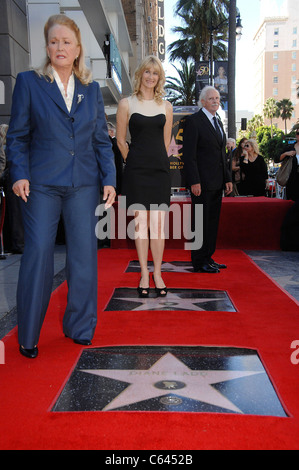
(9, 273)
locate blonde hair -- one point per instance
(79, 67)
(254, 145)
(155, 63)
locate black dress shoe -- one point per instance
(29, 353)
(217, 265)
(206, 268)
(83, 342)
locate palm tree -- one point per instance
(181, 91)
(254, 123)
(286, 109)
(271, 111)
(201, 17)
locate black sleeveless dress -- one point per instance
(146, 179)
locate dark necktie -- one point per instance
(217, 127)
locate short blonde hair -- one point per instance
(79, 67)
(254, 145)
(155, 63)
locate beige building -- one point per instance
(276, 70)
(145, 21)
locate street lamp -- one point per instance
(235, 32)
(239, 27)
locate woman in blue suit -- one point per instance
(59, 153)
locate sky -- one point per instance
(251, 14)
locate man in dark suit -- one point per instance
(207, 174)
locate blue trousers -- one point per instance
(41, 215)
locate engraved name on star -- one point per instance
(169, 371)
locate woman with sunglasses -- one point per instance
(254, 169)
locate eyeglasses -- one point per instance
(247, 145)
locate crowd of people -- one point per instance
(60, 150)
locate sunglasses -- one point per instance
(247, 145)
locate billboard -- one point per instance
(175, 151)
(221, 81)
(202, 77)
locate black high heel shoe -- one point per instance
(161, 292)
(143, 291)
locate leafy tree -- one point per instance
(199, 18)
(181, 90)
(254, 123)
(271, 111)
(286, 109)
(270, 146)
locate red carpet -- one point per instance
(267, 320)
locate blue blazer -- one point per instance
(48, 145)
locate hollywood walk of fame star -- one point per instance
(284, 281)
(167, 376)
(174, 149)
(177, 301)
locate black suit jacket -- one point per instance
(204, 154)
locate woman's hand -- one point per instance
(21, 189)
(291, 153)
(109, 196)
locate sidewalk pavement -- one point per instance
(282, 267)
(9, 273)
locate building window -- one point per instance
(295, 30)
(294, 55)
(275, 79)
(275, 68)
(275, 91)
(276, 31)
(276, 43)
(294, 67)
(294, 79)
(275, 55)
(295, 43)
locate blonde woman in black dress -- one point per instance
(146, 179)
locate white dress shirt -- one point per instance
(211, 117)
(68, 98)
